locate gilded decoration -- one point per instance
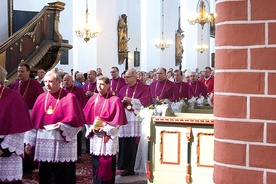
(122, 38)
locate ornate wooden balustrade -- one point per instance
(38, 43)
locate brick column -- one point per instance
(245, 92)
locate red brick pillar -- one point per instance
(245, 92)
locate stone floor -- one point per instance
(130, 179)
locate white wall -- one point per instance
(145, 26)
(134, 27)
(150, 56)
(84, 53)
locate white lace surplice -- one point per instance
(132, 129)
(54, 146)
(97, 144)
(11, 167)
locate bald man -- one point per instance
(90, 87)
(68, 85)
(134, 95)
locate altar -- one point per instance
(181, 148)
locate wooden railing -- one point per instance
(38, 43)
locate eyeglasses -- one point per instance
(126, 77)
(113, 72)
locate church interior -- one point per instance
(234, 140)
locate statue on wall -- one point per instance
(123, 34)
(123, 39)
(178, 43)
(179, 35)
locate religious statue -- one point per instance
(178, 43)
(122, 34)
(179, 35)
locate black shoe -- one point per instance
(128, 173)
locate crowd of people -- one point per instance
(56, 109)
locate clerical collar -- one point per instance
(208, 77)
(133, 84)
(70, 88)
(56, 94)
(105, 95)
(163, 81)
(25, 80)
